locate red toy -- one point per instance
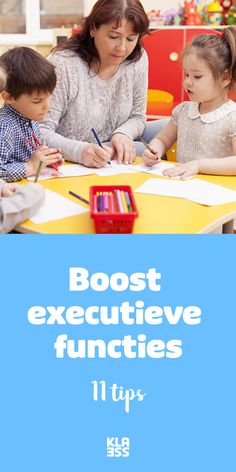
(191, 15)
(225, 4)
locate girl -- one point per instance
(205, 128)
(102, 76)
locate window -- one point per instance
(57, 13)
(31, 21)
(12, 16)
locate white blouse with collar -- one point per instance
(204, 136)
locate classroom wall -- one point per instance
(148, 5)
(42, 49)
(63, 6)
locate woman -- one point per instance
(102, 77)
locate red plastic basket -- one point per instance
(113, 222)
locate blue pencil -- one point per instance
(101, 201)
(128, 201)
(96, 137)
(98, 140)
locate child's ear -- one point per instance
(7, 97)
(226, 78)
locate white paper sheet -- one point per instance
(72, 170)
(76, 170)
(155, 170)
(114, 168)
(56, 207)
(196, 190)
(158, 169)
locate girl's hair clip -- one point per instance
(219, 33)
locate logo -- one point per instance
(118, 447)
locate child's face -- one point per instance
(34, 106)
(199, 82)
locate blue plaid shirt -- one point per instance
(14, 150)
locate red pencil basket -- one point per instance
(115, 222)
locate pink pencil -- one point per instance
(30, 143)
(36, 140)
(119, 201)
(95, 203)
(53, 166)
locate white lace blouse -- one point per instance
(204, 136)
(82, 101)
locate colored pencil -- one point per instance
(53, 166)
(124, 202)
(95, 206)
(36, 140)
(101, 201)
(27, 140)
(147, 146)
(128, 201)
(105, 197)
(120, 208)
(97, 138)
(98, 141)
(38, 171)
(79, 197)
(117, 201)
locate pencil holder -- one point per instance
(113, 208)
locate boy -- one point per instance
(31, 80)
(19, 202)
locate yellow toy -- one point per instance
(214, 15)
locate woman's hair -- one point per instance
(104, 12)
(27, 71)
(218, 50)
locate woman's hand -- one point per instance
(183, 170)
(96, 156)
(45, 154)
(124, 148)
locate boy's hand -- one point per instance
(152, 158)
(45, 154)
(183, 170)
(96, 156)
(9, 189)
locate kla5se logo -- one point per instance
(118, 447)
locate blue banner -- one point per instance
(117, 353)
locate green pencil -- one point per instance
(38, 171)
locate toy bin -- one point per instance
(113, 208)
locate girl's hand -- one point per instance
(45, 154)
(96, 156)
(9, 189)
(152, 158)
(124, 148)
(183, 170)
